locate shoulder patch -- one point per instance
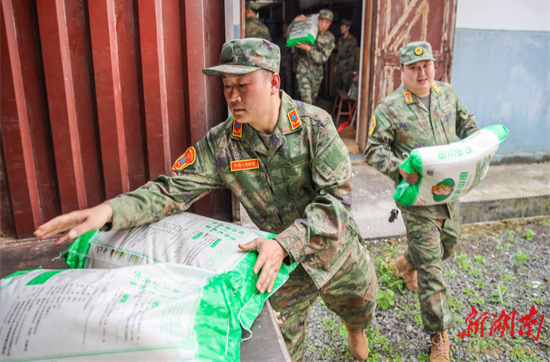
(294, 119)
(372, 124)
(408, 97)
(436, 88)
(237, 128)
(187, 159)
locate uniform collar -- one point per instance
(283, 127)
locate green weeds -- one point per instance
(499, 296)
(385, 298)
(480, 259)
(521, 258)
(529, 234)
(463, 261)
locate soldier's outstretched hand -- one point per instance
(75, 223)
(270, 258)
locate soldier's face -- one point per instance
(248, 95)
(344, 29)
(418, 77)
(324, 24)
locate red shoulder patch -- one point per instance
(188, 158)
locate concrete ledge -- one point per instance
(501, 209)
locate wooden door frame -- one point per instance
(365, 79)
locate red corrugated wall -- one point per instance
(100, 96)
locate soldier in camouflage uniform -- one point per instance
(286, 164)
(421, 113)
(310, 59)
(345, 58)
(254, 28)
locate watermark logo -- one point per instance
(530, 325)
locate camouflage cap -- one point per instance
(345, 22)
(326, 14)
(242, 56)
(252, 5)
(415, 52)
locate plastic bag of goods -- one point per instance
(155, 312)
(450, 171)
(304, 32)
(182, 238)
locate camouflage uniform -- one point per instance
(309, 65)
(298, 187)
(397, 127)
(345, 61)
(254, 28)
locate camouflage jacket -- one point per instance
(314, 59)
(345, 58)
(299, 187)
(254, 28)
(402, 123)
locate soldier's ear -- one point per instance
(275, 80)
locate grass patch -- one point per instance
(521, 258)
(463, 261)
(499, 296)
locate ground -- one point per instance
(498, 267)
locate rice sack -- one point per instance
(182, 238)
(303, 32)
(450, 171)
(155, 312)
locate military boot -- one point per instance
(440, 347)
(357, 341)
(409, 272)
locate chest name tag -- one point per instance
(242, 165)
(408, 97)
(294, 119)
(185, 160)
(436, 88)
(447, 108)
(237, 128)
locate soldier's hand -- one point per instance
(75, 223)
(270, 258)
(301, 18)
(304, 46)
(411, 178)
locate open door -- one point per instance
(394, 24)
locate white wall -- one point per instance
(532, 15)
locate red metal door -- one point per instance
(396, 23)
(99, 96)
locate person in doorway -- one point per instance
(254, 28)
(296, 183)
(421, 113)
(311, 58)
(345, 57)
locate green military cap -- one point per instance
(252, 5)
(326, 14)
(345, 22)
(242, 56)
(414, 52)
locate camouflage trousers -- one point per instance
(309, 81)
(342, 78)
(351, 293)
(431, 239)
